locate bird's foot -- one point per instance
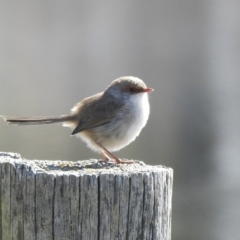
(116, 160)
(106, 154)
(121, 161)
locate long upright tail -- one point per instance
(37, 120)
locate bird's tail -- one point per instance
(37, 120)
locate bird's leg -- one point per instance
(106, 153)
(105, 156)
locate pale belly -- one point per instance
(119, 133)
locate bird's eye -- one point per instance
(132, 90)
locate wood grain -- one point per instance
(83, 200)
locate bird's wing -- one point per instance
(96, 112)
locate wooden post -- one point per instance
(83, 200)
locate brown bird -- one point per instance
(106, 121)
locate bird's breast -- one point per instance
(128, 125)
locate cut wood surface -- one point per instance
(89, 199)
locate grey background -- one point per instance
(55, 53)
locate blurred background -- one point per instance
(55, 53)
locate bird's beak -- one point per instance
(148, 90)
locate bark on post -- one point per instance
(83, 200)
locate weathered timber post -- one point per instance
(83, 200)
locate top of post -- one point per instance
(91, 166)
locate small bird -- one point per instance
(106, 121)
